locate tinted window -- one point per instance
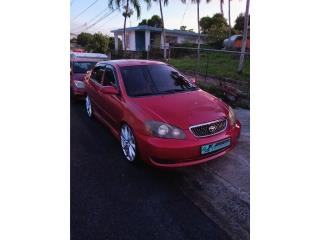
(82, 67)
(97, 73)
(109, 79)
(154, 79)
(168, 79)
(137, 81)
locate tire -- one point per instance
(88, 106)
(128, 144)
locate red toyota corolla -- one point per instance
(158, 115)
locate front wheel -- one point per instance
(88, 106)
(128, 143)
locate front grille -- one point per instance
(209, 129)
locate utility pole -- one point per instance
(244, 38)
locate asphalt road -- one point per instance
(113, 199)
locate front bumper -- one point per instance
(78, 93)
(173, 153)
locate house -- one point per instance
(141, 38)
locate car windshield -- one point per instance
(82, 67)
(154, 79)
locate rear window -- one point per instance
(153, 80)
(82, 67)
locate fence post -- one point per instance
(205, 79)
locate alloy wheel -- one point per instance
(88, 106)
(128, 143)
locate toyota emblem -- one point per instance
(212, 128)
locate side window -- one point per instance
(109, 78)
(97, 73)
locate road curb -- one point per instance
(222, 203)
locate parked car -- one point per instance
(158, 115)
(235, 43)
(78, 71)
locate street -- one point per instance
(113, 199)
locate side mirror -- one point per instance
(193, 80)
(109, 90)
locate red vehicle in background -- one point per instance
(80, 64)
(78, 71)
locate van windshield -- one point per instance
(82, 67)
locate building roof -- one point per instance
(155, 29)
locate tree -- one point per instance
(229, 18)
(127, 12)
(244, 39)
(111, 44)
(154, 21)
(165, 2)
(183, 28)
(84, 39)
(99, 43)
(218, 30)
(221, 7)
(95, 42)
(143, 22)
(205, 24)
(239, 22)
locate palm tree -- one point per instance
(127, 13)
(229, 17)
(198, 20)
(165, 2)
(221, 6)
(244, 39)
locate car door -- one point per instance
(94, 85)
(112, 103)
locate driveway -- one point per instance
(112, 199)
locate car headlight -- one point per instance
(79, 84)
(164, 130)
(232, 117)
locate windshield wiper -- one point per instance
(178, 90)
(143, 94)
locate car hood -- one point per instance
(182, 109)
(78, 76)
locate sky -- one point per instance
(175, 14)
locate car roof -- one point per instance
(131, 62)
(85, 60)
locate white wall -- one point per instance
(132, 41)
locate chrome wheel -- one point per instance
(88, 106)
(128, 143)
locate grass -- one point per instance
(222, 65)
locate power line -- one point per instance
(86, 23)
(98, 15)
(100, 26)
(99, 20)
(85, 10)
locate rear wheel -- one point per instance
(128, 143)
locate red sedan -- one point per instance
(158, 115)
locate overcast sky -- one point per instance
(176, 14)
